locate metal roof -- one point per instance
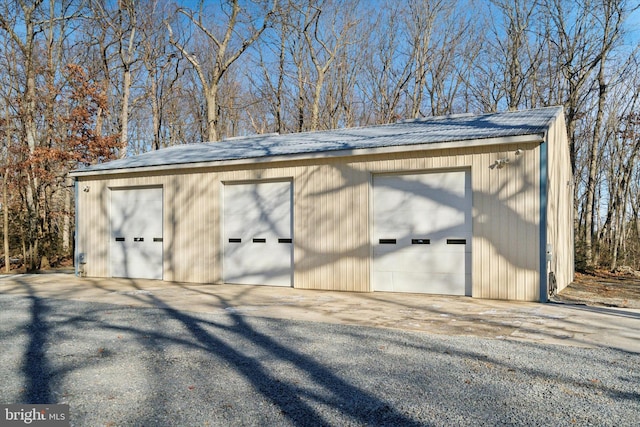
(432, 130)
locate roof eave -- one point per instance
(507, 140)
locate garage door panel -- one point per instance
(427, 225)
(252, 209)
(453, 181)
(247, 264)
(441, 241)
(430, 206)
(423, 261)
(152, 228)
(423, 189)
(437, 283)
(382, 281)
(436, 220)
(258, 214)
(118, 259)
(136, 248)
(404, 235)
(445, 284)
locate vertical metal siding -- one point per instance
(330, 230)
(560, 204)
(506, 222)
(544, 188)
(331, 218)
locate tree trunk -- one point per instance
(300, 99)
(30, 128)
(594, 157)
(5, 223)
(279, 92)
(124, 113)
(66, 219)
(24, 249)
(212, 112)
(315, 107)
(155, 109)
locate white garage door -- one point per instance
(257, 222)
(422, 233)
(136, 233)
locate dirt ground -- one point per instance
(603, 288)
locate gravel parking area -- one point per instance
(119, 366)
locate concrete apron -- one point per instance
(552, 323)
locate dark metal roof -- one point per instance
(431, 130)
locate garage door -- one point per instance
(257, 234)
(422, 233)
(136, 233)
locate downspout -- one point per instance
(76, 264)
(544, 158)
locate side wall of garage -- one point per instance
(332, 217)
(560, 231)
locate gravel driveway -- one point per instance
(119, 366)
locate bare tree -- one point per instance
(343, 106)
(386, 71)
(154, 76)
(6, 148)
(120, 51)
(610, 18)
(517, 41)
(618, 165)
(421, 23)
(584, 45)
(21, 25)
(162, 66)
(325, 40)
(240, 33)
(455, 51)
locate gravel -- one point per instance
(122, 366)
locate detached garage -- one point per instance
(459, 205)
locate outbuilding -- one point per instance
(459, 205)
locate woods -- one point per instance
(85, 81)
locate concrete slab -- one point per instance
(552, 323)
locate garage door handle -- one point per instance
(138, 239)
(119, 239)
(235, 240)
(284, 240)
(259, 240)
(420, 241)
(456, 241)
(387, 241)
(157, 239)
